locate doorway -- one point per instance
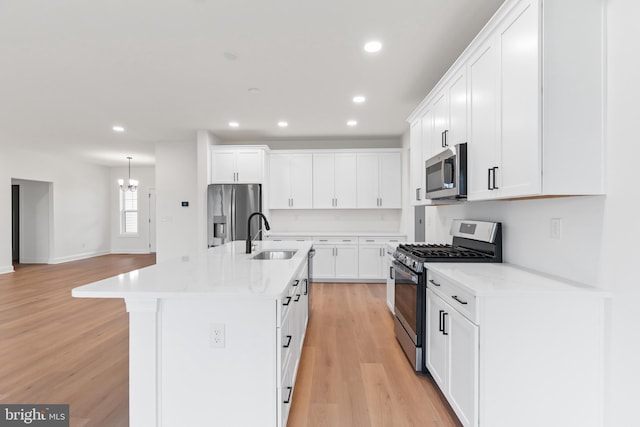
(15, 223)
(31, 221)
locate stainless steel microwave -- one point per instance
(446, 174)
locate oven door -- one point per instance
(408, 301)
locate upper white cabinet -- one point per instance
(334, 180)
(231, 165)
(505, 149)
(290, 181)
(527, 96)
(379, 180)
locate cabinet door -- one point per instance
(458, 110)
(249, 167)
(345, 179)
(520, 167)
(441, 121)
(280, 181)
(483, 137)
(347, 261)
(301, 181)
(463, 367)
(324, 262)
(429, 144)
(371, 262)
(390, 180)
(223, 167)
(368, 181)
(323, 173)
(416, 161)
(436, 357)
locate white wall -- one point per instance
(599, 244)
(35, 220)
(348, 220)
(139, 243)
(177, 181)
(80, 203)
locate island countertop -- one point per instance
(222, 271)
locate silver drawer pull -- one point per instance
(435, 284)
(455, 297)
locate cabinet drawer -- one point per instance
(279, 238)
(454, 295)
(381, 240)
(335, 240)
(287, 300)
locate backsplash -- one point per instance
(383, 220)
(527, 231)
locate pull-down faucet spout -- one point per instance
(266, 225)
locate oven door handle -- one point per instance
(405, 271)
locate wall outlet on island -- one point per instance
(216, 335)
(556, 228)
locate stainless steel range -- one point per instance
(473, 241)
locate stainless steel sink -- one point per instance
(275, 254)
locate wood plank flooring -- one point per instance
(353, 371)
(59, 349)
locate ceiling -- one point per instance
(72, 69)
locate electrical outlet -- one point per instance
(216, 335)
(556, 228)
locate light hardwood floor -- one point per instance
(59, 349)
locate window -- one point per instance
(128, 211)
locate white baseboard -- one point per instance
(34, 260)
(77, 257)
(6, 269)
(134, 252)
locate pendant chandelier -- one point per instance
(133, 183)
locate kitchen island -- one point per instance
(214, 337)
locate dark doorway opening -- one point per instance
(15, 223)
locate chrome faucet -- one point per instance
(266, 225)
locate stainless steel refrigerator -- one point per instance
(228, 209)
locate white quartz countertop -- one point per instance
(500, 279)
(222, 271)
(335, 233)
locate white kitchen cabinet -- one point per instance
(505, 86)
(482, 151)
(390, 279)
(290, 181)
(505, 156)
(452, 356)
(336, 258)
(237, 165)
(503, 342)
(416, 162)
(379, 178)
(372, 263)
(334, 180)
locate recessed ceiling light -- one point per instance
(373, 46)
(253, 90)
(359, 99)
(352, 123)
(118, 128)
(234, 124)
(283, 124)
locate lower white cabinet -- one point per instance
(510, 347)
(336, 258)
(294, 315)
(452, 356)
(372, 257)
